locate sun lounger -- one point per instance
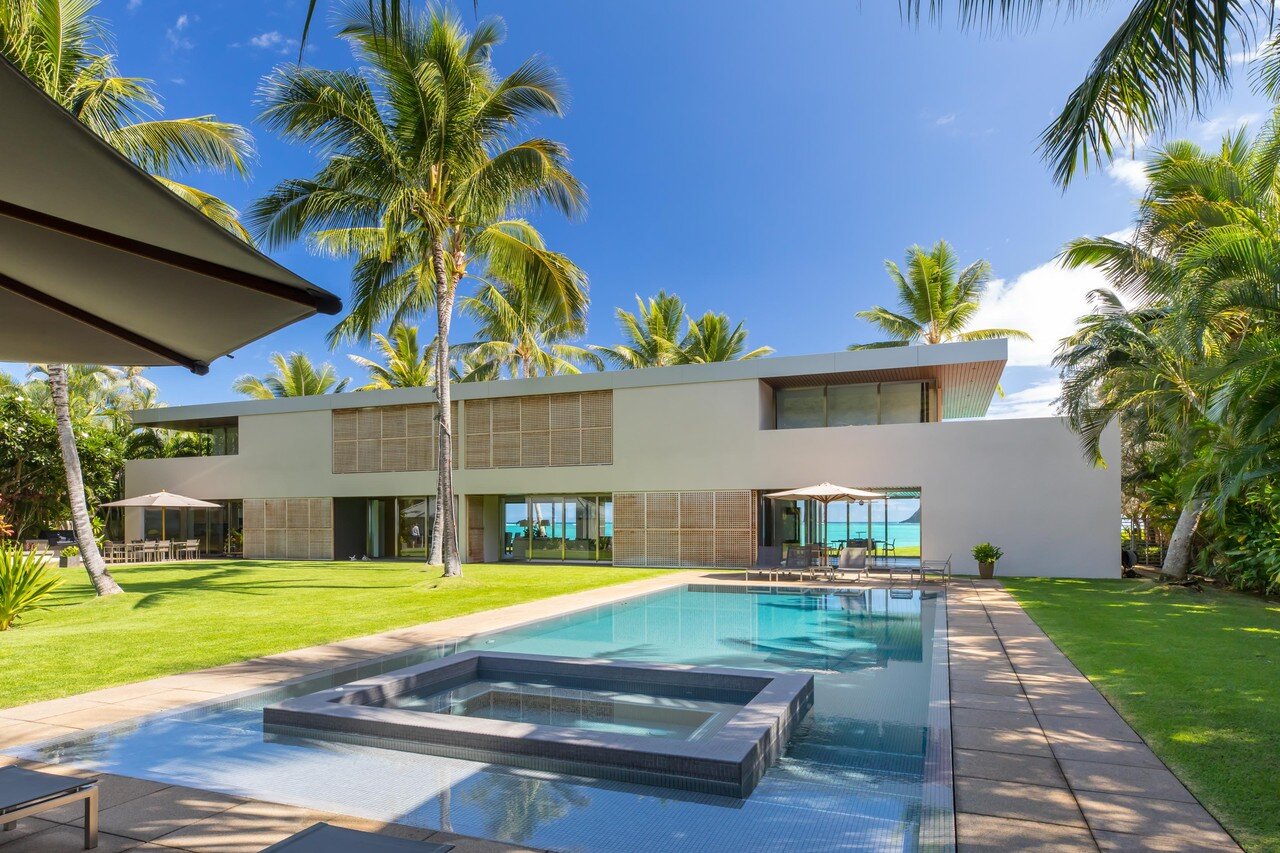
(25, 793)
(941, 568)
(324, 838)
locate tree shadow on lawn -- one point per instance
(195, 579)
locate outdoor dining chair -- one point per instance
(25, 793)
(189, 550)
(326, 838)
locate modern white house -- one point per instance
(657, 467)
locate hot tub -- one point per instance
(708, 729)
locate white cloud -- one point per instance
(273, 40)
(133, 5)
(946, 119)
(1130, 173)
(174, 35)
(270, 39)
(1044, 302)
(1211, 129)
(1035, 401)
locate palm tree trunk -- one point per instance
(1177, 560)
(435, 557)
(444, 495)
(103, 582)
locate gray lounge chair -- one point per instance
(941, 568)
(325, 838)
(767, 559)
(852, 560)
(25, 793)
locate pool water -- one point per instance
(867, 771)
(568, 707)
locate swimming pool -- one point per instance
(868, 770)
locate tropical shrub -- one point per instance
(1241, 544)
(24, 583)
(70, 551)
(987, 553)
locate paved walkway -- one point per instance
(1042, 761)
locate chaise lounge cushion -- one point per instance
(324, 838)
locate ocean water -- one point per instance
(901, 533)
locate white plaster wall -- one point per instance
(1022, 484)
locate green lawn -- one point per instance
(177, 617)
(1196, 674)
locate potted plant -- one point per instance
(986, 554)
(69, 557)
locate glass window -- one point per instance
(901, 403)
(852, 405)
(417, 520)
(515, 537)
(799, 408)
(605, 552)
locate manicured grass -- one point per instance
(1196, 674)
(177, 617)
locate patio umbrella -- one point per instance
(826, 494)
(164, 500)
(100, 264)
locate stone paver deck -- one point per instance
(1042, 761)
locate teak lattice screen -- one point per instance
(687, 529)
(288, 528)
(539, 431)
(382, 439)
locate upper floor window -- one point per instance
(853, 405)
(219, 440)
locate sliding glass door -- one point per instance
(575, 528)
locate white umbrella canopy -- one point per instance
(101, 264)
(825, 493)
(165, 500)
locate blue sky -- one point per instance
(756, 157)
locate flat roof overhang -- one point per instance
(966, 372)
(100, 263)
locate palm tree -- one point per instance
(424, 172)
(520, 334)
(937, 301)
(291, 376)
(1196, 361)
(1129, 362)
(652, 335)
(60, 46)
(710, 338)
(406, 365)
(1166, 59)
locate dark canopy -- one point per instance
(101, 264)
